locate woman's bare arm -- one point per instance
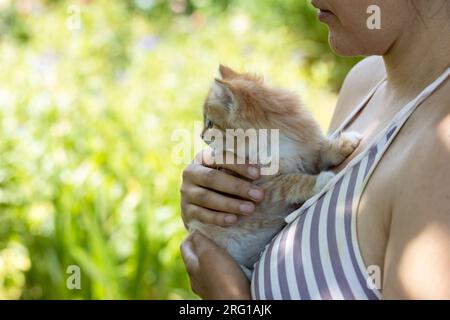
(360, 80)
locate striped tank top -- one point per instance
(316, 255)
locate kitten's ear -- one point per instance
(222, 93)
(227, 73)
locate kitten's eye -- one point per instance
(209, 124)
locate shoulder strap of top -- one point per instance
(358, 108)
(403, 115)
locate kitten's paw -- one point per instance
(349, 142)
(322, 179)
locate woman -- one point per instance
(396, 183)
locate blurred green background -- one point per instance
(91, 94)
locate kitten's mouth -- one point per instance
(207, 141)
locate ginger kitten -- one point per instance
(243, 101)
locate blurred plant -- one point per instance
(14, 262)
(11, 24)
(86, 120)
(312, 37)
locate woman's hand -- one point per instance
(213, 273)
(216, 197)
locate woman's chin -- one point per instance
(352, 44)
(338, 47)
(342, 47)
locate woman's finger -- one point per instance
(225, 183)
(188, 255)
(229, 161)
(204, 245)
(212, 200)
(223, 219)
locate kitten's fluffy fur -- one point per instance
(244, 101)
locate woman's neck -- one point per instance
(419, 56)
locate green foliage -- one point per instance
(89, 173)
(310, 35)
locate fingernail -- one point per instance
(253, 172)
(247, 207)
(255, 194)
(230, 219)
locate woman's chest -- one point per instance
(379, 194)
(370, 204)
(338, 241)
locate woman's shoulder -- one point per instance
(360, 80)
(422, 151)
